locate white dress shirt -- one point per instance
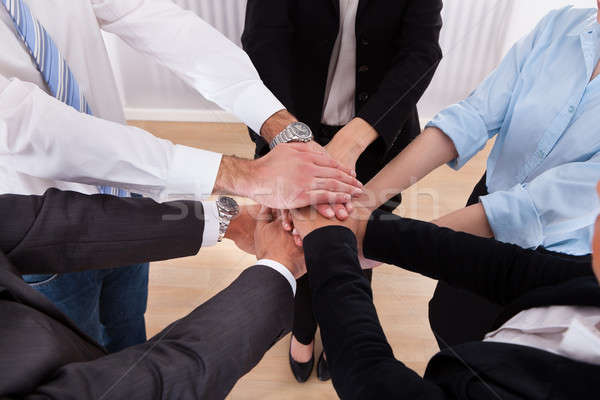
(572, 332)
(339, 106)
(45, 143)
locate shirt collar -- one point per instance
(587, 26)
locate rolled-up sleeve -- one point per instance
(472, 122)
(562, 199)
(193, 50)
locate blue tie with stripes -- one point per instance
(48, 60)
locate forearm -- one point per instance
(200, 356)
(64, 232)
(472, 220)
(47, 139)
(358, 353)
(193, 50)
(431, 149)
(497, 271)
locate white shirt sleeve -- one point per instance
(42, 137)
(195, 51)
(282, 270)
(210, 236)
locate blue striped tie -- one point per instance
(48, 60)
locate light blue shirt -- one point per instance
(545, 114)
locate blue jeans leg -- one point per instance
(76, 294)
(108, 305)
(122, 307)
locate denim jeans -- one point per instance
(108, 305)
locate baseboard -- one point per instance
(186, 115)
(183, 115)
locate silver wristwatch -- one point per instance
(295, 132)
(227, 208)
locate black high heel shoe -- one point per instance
(323, 369)
(301, 371)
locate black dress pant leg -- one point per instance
(457, 316)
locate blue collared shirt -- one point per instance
(545, 114)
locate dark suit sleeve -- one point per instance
(414, 64)
(497, 271)
(361, 362)
(200, 356)
(66, 231)
(267, 38)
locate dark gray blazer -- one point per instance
(44, 356)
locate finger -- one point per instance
(325, 160)
(333, 185)
(325, 210)
(332, 173)
(298, 240)
(340, 212)
(349, 207)
(325, 197)
(286, 220)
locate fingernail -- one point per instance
(353, 172)
(356, 192)
(330, 213)
(343, 213)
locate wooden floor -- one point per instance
(177, 286)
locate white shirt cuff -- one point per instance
(192, 172)
(255, 105)
(211, 224)
(282, 270)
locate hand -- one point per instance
(292, 176)
(273, 243)
(346, 147)
(242, 227)
(307, 220)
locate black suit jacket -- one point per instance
(290, 42)
(44, 356)
(361, 361)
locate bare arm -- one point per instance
(471, 219)
(431, 149)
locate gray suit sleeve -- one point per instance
(65, 231)
(200, 356)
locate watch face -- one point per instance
(229, 205)
(302, 131)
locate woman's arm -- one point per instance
(471, 219)
(497, 271)
(431, 149)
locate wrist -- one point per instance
(275, 124)
(234, 177)
(280, 258)
(358, 134)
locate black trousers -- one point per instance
(371, 161)
(457, 316)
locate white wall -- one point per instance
(476, 34)
(528, 12)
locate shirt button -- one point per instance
(363, 97)
(363, 68)
(364, 42)
(571, 109)
(541, 154)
